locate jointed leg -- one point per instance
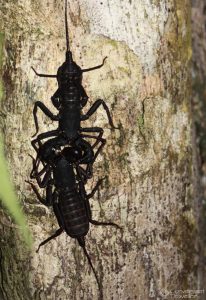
(99, 182)
(98, 138)
(45, 181)
(104, 223)
(46, 111)
(99, 130)
(86, 198)
(57, 233)
(48, 201)
(43, 136)
(94, 222)
(84, 174)
(36, 162)
(94, 107)
(89, 156)
(101, 140)
(35, 173)
(88, 151)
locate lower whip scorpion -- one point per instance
(65, 192)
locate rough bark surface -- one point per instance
(199, 112)
(148, 163)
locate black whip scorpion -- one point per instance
(63, 155)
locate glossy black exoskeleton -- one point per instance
(69, 99)
(66, 157)
(64, 182)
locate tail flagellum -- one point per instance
(82, 244)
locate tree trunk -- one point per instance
(150, 163)
(199, 112)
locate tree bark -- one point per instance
(150, 163)
(199, 113)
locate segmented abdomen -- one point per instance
(73, 214)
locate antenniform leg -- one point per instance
(94, 68)
(43, 75)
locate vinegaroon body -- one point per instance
(69, 99)
(65, 192)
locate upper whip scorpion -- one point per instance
(69, 99)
